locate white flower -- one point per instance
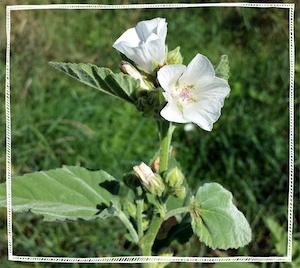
(144, 44)
(194, 93)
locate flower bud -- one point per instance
(127, 68)
(145, 224)
(152, 182)
(131, 209)
(174, 177)
(180, 192)
(174, 56)
(155, 164)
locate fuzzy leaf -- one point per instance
(216, 220)
(117, 84)
(223, 69)
(64, 193)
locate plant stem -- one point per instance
(139, 219)
(176, 211)
(148, 240)
(166, 131)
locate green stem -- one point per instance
(166, 131)
(148, 240)
(129, 226)
(176, 211)
(139, 217)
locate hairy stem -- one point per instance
(148, 240)
(139, 219)
(166, 131)
(176, 211)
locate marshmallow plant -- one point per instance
(154, 193)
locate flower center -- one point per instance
(184, 94)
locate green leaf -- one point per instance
(59, 194)
(215, 219)
(117, 84)
(223, 69)
(174, 56)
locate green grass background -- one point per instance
(57, 121)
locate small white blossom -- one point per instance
(144, 44)
(194, 94)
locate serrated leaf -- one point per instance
(216, 220)
(59, 194)
(117, 84)
(223, 69)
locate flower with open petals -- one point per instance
(144, 44)
(194, 94)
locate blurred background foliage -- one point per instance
(56, 121)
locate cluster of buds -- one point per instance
(154, 183)
(150, 180)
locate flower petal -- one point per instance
(145, 28)
(200, 67)
(156, 49)
(202, 117)
(129, 38)
(142, 58)
(144, 44)
(213, 88)
(162, 29)
(211, 94)
(171, 113)
(207, 110)
(169, 74)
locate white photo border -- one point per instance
(148, 259)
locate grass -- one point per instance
(57, 121)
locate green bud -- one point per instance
(131, 208)
(156, 185)
(174, 177)
(152, 182)
(180, 192)
(174, 56)
(145, 224)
